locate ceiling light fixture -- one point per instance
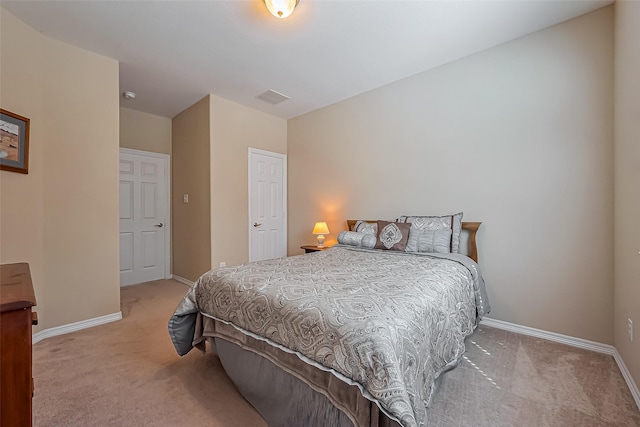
(281, 8)
(128, 94)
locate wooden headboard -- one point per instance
(471, 227)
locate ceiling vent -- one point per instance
(273, 97)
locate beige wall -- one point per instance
(210, 155)
(518, 136)
(21, 196)
(627, 183)
(235, 128)
(144, 131)
(191, 228)
(69, 200)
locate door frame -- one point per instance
(283, 157)
(167, 179)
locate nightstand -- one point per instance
(313, 248)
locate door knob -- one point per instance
(255, 224)
(159, 225)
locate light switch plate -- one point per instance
(185, 198)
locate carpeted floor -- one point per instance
(127, 374)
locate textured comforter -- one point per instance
(390, 321)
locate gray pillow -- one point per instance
(366, 227)
(438, 241)
(361, 240)
(421, 224)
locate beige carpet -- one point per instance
(127, 374)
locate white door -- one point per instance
(144, 216)
(267, 205)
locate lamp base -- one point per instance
(320, 241)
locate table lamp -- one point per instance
(320, 229)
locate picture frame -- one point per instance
(14, 142)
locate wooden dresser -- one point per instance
(16, 384)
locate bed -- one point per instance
(349, 336)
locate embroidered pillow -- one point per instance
(361, 240)
(392, 235)
(366, 227)
(421, 224)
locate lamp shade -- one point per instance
(281, 8)
(320, 228)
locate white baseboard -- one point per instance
(77, 326)
(550, 336)
(182, 280)
(627, 377)
(572, 341)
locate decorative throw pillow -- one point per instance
(361, 240)
(392, 235)
(420, 224)
(366, 227)
(438, 241)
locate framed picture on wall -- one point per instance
(14, 142)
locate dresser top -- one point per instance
(16, 289)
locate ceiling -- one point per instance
(173, 53)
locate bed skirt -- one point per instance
(284, 389)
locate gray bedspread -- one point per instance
(389, 322)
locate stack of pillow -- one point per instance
(439, 234)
